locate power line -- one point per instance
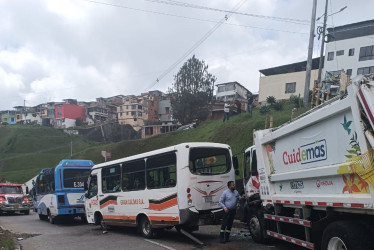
(196, 45)
(188, 5)
(191, 18)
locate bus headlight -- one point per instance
(189, 202)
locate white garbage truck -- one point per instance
(311, 181)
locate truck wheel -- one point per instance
(84, 219)
(346, 235)
(145, 228)
(256, 227)
(102, 224)
(42, 217)
(26, 212)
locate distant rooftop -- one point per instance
(352, 30)
(290, 68)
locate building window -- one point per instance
(140, 107)
(59, 113)
(290, 87)
(339, 52)
(349, 72)
(127, 106)
(167, 110)
(221, 89)
(330, 56)
(133, 113)
(365, 70)
(351, 52)
(140, 114)
(133, 106)
(366, 53)
(58, 106)
(230, 87)
(127, 113)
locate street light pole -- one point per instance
(310, 54)
(322, 43)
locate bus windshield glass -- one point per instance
(209, 161)
(10, 190)
(75, 178)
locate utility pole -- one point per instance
(310, 54)
(322, 43)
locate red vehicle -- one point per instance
(12, 199)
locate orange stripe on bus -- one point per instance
(164, 218)
(163, 205)
(108, 203)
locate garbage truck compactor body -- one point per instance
(310, 182)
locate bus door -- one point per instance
(110, 192)
(250, 173)
(92, 199)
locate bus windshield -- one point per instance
(75, 178)
(209, 161)
(10, 190)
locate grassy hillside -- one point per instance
(25, 150)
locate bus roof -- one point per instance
(163, 150)
(76, 163)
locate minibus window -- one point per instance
(111, 179)
(161, 171)
(133, 175)
(209, 161)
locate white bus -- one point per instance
(176, 186)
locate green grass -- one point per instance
(25, 150)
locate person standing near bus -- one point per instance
(228, 201)
(226, 112)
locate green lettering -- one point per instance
(303, 155)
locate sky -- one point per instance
(81, 49)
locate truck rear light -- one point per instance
(189, 196)
(188, 190)
(61, 199)
(2, 199)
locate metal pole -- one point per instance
(322, 43)
(71, 148)
(310, 54)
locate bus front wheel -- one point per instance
(51, 219)
(145, 228)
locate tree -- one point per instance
(271, 100)
(78, 122)
(192, 91)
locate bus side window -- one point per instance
(133, 175)
(161, 171)
(111, 179)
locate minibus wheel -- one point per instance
(145, 228)
(50, 218)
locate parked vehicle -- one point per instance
(310, 182)
(12, 199)
(176, 186)
(59, 191)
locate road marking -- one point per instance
(159, 244)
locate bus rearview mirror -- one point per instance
(235, 162)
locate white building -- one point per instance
(350, 47)
(286, 80)
(231, 91)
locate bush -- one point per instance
(78, 122)
(264, 110)
(297, 101)
(278, 105)
(271, 100)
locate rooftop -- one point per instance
(290, 68)
(352, 30)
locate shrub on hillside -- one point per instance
(296, 101)
(278, 105)
(271, 100)
(264, 110)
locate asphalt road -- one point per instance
(38, 234)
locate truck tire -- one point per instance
(350, 235)
(51, 219)
(43, 217)
(256, 226)
(145, 228)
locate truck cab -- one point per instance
(12, 199)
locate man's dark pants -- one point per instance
(227, 220)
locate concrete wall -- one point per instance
(345, 61)
(275, 85)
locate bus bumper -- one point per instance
(71, 211)
(193, 217)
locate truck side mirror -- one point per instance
(85, 186)
(27, 190)
(235, 162)
(86, 194)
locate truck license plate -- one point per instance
(208, 199)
